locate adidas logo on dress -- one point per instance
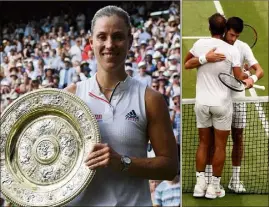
(131, 116)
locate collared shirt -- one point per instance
(167, 194)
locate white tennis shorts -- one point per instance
(239, 115)
(218, 116)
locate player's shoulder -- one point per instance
(153, 97)
(240, 44)
(135, 80)
(202, 41)
(154, 102)
(231, 48)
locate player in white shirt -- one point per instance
(234, 27)
(213, 105)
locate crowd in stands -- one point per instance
(54, 51)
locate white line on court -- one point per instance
(218, 7)
(261, 113)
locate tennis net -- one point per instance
(254, 166)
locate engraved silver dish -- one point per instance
(45, 137)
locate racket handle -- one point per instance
(259, 87)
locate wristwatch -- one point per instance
(125, 162)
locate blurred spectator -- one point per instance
(174, 88)
(174, 61)
(143, 77)
(150, 66)
(87, 48)
(92, 62)
(155, 85)
(80, 21)
(176, 51)
(76, 50)
(34, 84)
(167, 193)
(162, 80)
(48, 78)
(4, 65)
(129, 70)
(84, 72)
(66, 74)
(175, 116)
(153, 185)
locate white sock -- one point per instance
(236, 173)
(200, 178)
(215, 180)
(208, 173)
(200, 174)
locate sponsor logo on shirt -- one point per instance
(99, 117)
(131, 116)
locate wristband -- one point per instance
(202, 59)
(254, 78)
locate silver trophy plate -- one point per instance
(46, 136)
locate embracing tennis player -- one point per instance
(213, 106)
(234, 27)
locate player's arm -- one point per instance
(162, 167)
(165, 165)
(236, 67)
(194, 62)
(258, 70)
(239, 74)
(189, 56)
(253, 63)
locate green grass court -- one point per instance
(194, 23)
(230, 200)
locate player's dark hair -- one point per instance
(217, 24)
(235, 23)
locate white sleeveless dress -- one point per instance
(122, 125)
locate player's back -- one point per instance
(209, 89)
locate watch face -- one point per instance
(127, 160)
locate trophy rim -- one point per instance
(96, 131)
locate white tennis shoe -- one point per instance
(236, 186)
(214, 191)
(200, 187)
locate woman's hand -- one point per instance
(102, 156)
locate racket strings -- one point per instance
(231, 82)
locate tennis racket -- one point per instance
(234, 84)
(249, 35)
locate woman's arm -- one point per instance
(162, 167)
